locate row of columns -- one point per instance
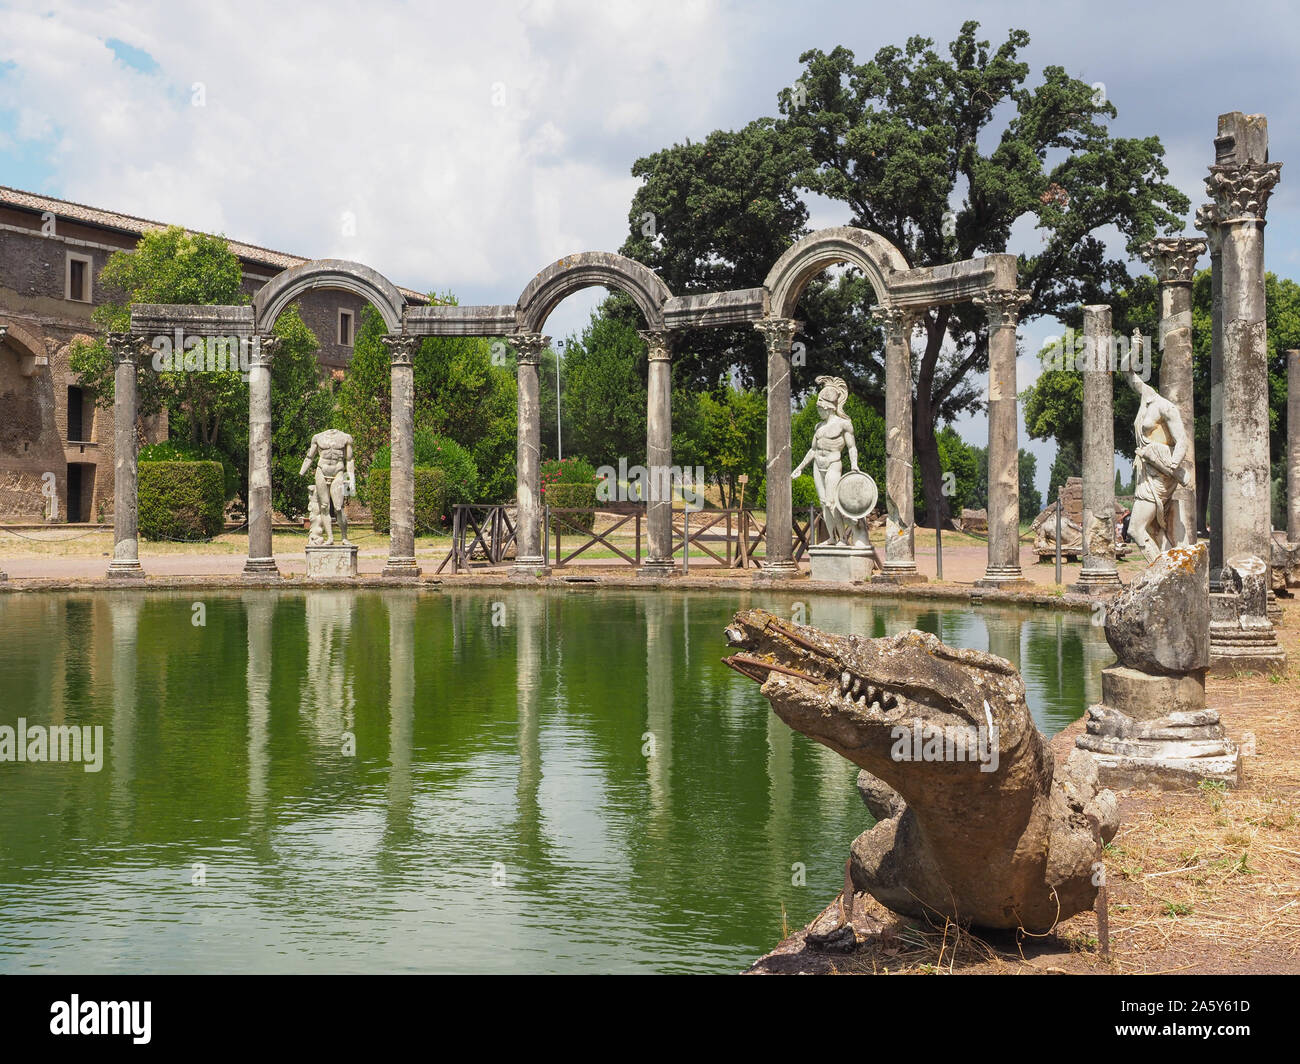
(1003, 310)
(128, 351)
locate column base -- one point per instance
(529, 570)
(1006, 576)
(401, 569)
(657, 571)
(900, 572)
(260, 569)
(1235, 649)
(1097, 582)
(778, 571)
(1274, 608)
(125, 571)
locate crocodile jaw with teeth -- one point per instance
(1001, 841)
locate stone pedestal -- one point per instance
(336, 561)
(1242, 638)
(1152, 729)
(841, 564)
(657, 570)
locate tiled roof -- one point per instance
(129, 223)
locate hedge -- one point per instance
(430, 499)
(578, 495)
(181, 500)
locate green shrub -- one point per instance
(187, 451)
(582, 496)
(460, 474)
(803, 492)
(181, 500)
(567, 471)
(432, 509)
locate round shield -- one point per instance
(856, 495)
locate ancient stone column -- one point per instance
(1098, 573)
(1293, 446)
(778, 335)
(401, 500)
(1241, 181)
(1174, 263)
(900, 519)
(1003, 310)
(529, 560)
(1207, 220)
(126, 351)
(659, 457)
(260, 564)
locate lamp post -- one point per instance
(559, 447)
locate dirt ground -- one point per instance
(1202, 882)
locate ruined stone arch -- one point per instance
(870, 252)
(284, 288)
(589, 269)
(26, 346)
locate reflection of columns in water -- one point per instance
(1004, 635)
(659, 696)
(327, 690)
(259, 611)
(529, 639)
(401, 704)
(125, 613)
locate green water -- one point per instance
(541, 781)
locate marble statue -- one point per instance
(1159, 467)
(833, 434)
(335, 480)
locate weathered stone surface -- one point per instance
(987, 831)
(841, 563)
(335, 562)
(1160, 622)
(1144, 696)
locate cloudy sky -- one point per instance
(470, 144)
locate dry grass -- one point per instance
(1199, 881)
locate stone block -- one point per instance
(336, 561)
(841, 564)
(1144, 696)
(1160, 623)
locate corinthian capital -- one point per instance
(659, 344)
(1002, 306)
(126, 347)
(1173, 259)
(1207, 221)
(401, 349)
(1241, 190)
(778, 333)
(898, 322)
(529, 347)
(264, 349)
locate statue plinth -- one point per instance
(1152, 729)
(332, 561)
(841, 563)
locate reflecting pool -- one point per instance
(468, 781)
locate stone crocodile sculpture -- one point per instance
(973, 819)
